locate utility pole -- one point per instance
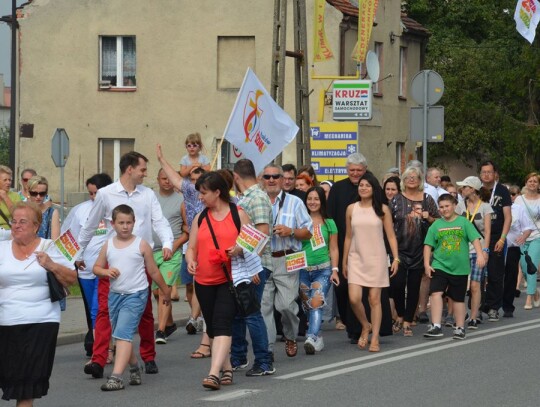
(277, 87)
(13, 110)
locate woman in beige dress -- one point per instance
(364, 255)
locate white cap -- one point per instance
(473, 182)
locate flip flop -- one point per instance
(199, 355)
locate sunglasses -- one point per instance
(273, 176)
(26, 179)
(513, 194)
(192, 145)
(35, 193)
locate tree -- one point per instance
(491, 77)
(4, 146)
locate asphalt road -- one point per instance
(496, 365)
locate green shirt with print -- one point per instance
(450, 241)
(322, 254)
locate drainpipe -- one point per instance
(12, 118)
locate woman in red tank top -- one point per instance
(205, 261)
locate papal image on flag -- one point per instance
(258, 126)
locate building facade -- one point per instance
(123, 75)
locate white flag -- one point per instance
(258, 127)
(527, 16)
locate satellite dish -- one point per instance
(372, 66)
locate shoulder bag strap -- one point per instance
(217, 247)
(5, 218)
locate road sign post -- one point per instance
(427, 89)
(59, 155)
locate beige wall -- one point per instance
(177, 78)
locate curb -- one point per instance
(78, 337)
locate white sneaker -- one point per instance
(200, 325)
(309, 346)
(319, 344)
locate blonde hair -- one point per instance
(37, 180)
(38, 216)
(407, 173)
(6, 170)
(194, 138)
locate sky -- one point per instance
(5, 41)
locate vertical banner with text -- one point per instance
(366, 16)
(321, 48)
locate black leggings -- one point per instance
(218, 308)
(410, 279)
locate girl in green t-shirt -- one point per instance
(322, 257)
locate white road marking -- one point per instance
(427, 344)
(222, 396)
(420, 353)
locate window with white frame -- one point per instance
(402, 72)
(110, 151)
(378, 49)
(117, 62)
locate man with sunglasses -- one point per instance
(291, 224)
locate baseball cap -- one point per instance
(473, 182)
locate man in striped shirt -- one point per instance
(291, 224)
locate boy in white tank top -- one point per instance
(124, 259)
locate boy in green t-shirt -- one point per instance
(449, 271)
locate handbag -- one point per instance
(57, 291)
(531, 267)
(244, 294)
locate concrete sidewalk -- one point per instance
(73, 324)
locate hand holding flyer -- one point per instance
(251, 239)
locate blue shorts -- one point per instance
(125, 312)
(184, 273)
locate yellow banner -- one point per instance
(366, 16)
(321, 48)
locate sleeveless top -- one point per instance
(226, 234)
(130, 262)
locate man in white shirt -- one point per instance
(148, 215)
(432, 185)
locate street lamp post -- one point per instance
(12, 118)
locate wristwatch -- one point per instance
(486, 250)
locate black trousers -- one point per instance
(511, 271)
(495, 279)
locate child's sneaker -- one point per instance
(459, 333)
(113, 384)
(434, 332)
(450, 321)
(472, 324)
(135, 376)
(161, 338)
(200, 324)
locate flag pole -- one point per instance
(230, 118)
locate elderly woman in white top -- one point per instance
(29, 320)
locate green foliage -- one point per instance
(4, 146)
(492, 83)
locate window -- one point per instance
(402, 72)
(234, 56)
(110, 151)
(118, 62)
(377, 87)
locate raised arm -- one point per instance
(173, 176)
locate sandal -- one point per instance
(374, 347)
(407, 331)
(199, 355)
(110, 356)
(226, 377)
(211, 382)
(291, 348)
(398, 325)
(362, 342)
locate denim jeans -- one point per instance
(312, 283)
(257, 332)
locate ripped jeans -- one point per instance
(314, 286)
